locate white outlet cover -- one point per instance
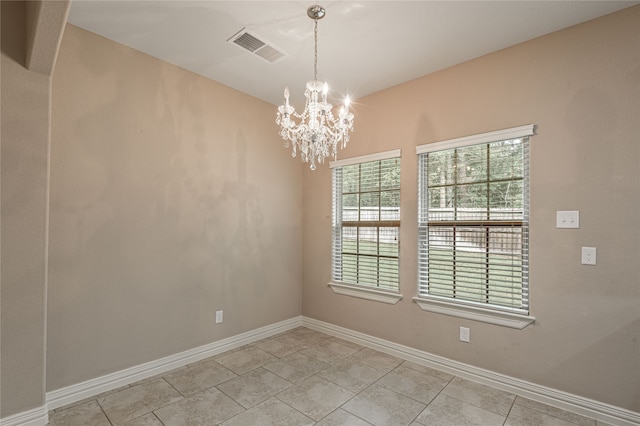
(589, 255)
(464, 334)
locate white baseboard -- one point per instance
(574, 403)
(564, 400)
(34, 417)
(93, 387)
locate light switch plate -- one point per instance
(568, 219)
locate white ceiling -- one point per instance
(364, 46)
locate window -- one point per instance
(473, 228)
(366, 221)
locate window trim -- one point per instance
(475, 313)
(463, 309)
(366, 158)
(359, 290)
(498, 135)
(363, 292)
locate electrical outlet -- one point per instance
(219, 317)
(588, 255)
(464, 334)
(568, 219)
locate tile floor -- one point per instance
(304, 377)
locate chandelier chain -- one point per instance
(315, 51)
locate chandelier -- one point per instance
(317, 133)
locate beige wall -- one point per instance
(581, 87)
(171, 198)
(31, 34)
(24, 153)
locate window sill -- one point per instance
(366, 293)
(505, 319)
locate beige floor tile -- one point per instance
(296, 367)
(524, 416)
(88, 413)
(346, 343)
(351, 375)
(92, 398)
(209, 407)
(301, 376)
(315, 397)
(422, 387)
(555, 412)
(270, 412)
(159, 375)
(329, 351)
(482, 396)
(146, 420)
(245, 360)
(254, 387)
(342, 418)
(376, 359)
(138, 400)
(199, 377)
(310, 337)
(282, 346)
(382, 407)
(447, 411)
(424, 369)
(239, 348)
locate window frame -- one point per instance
(364, 291)
(508, 317)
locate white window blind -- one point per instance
(473, 230)
(366, 221)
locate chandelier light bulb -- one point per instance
(317, 133)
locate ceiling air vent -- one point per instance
(253, 44)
